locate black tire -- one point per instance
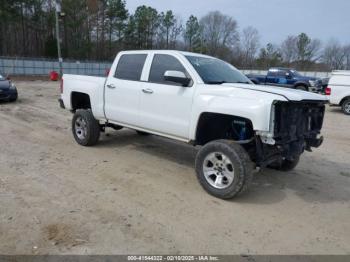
(91, 127)
(141, 133)
(301, 87)
(241, 165)
(13, 99)
(346, 106)
(286, 165)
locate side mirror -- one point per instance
(177, 77)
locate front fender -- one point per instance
(257, 110)
(302, 83)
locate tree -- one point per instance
(334, 55)
(192, 34)
(347, 57)
(146, 24)
(167, 22)
(75, 28)
(219, 33)
(249, 45)
(269, 56)
(117, 15)
(307, 50)
(289, 49)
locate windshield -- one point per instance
(296, 73)
(215, 71)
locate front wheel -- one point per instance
(224, 169)
(346, 106)
(86, 129)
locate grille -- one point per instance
(298, 120)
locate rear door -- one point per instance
(123, 87)
(165, 107)
(278, 77)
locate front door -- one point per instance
(165, 107)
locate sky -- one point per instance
(274, 19)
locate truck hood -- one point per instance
(287, 93)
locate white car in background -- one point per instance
(338, 90)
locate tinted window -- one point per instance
(272, 72)
(281, 73)
(161, 64)
(130, 67)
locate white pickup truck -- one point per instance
(338, 90)
(203, 101)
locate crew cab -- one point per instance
(203, 101)
(338, 90)
(289, 78)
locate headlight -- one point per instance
(312, 83)
(12, 86)
(267, 137)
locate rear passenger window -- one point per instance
(130, 67)
(161, 64)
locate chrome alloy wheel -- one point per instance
(80, 128)
(218, 170)
(347, 107)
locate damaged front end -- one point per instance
(294, 128)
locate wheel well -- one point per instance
(343, 100)
(301, 84)
(80, 101)
(213, 126)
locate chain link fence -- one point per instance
(42, 67)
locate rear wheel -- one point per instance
(301, 87)
(86, 129)
(346, 106)
(224, 169)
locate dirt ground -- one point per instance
(139, 195)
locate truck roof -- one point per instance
(341, 72)
(185, 53)
(281, 68)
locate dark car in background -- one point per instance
(8, 91)
(289, 78)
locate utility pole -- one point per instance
(60, 60)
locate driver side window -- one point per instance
(162, 63)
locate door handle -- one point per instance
(147, 91)
(111, 86)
